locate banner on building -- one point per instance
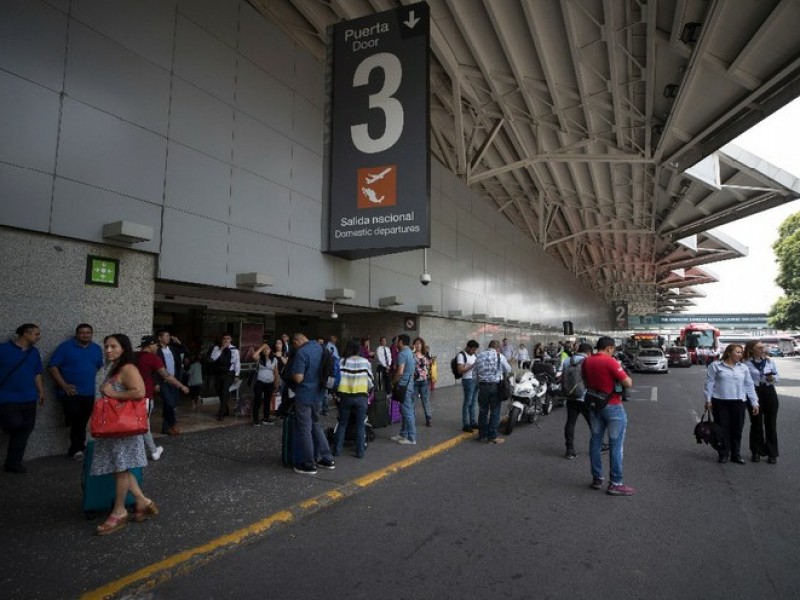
(377, 152)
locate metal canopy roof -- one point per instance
(577, 118)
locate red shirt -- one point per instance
(149, 363)
(601, 371)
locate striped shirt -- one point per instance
(356, 376)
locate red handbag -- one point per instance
(112, 418)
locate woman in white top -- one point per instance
(728, 384)
(763, 424)
(267, 366)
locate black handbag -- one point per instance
(595, 399)
(708, 432)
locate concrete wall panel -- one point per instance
(80, 211)
(194, 249)
(26, 198)
(260, 204)
(264, 98)
(204, 61)
(106, 152)
(29, 118)
(197, 183)
(146, 27)
(219, 17)
(201, 121)
(107, 76)
(33, 38)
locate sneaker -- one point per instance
(570, 455)
(173, 431)
(597, 484)
(157, 452)
(269, 421)
(78, 455)
(619, 489)
(305, 469)
(497, 441)
(326, 463)
(256, 423)
(397, 438)
(406, 442)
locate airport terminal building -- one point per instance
(162, 164)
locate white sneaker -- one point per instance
(157, 452)
(406, 441)
(397, 438)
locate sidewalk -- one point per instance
(213, 479)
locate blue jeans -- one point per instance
(351, 404)
(169, 400)
(469, 407)
(614, 418)
(489, 403)
(409, 427)
(423, 388)
(310, 443)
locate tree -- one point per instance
(785, 313)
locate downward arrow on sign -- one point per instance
(412, 20)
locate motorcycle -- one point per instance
(528, 399)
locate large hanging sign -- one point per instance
(620, 314)
(378, 148)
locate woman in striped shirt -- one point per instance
(353, 392)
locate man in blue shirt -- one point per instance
(311, 447)
(74, 367)
(402, 383)
(20, 386)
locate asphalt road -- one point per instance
(519, 521)
(509, 521)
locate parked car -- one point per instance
(678, 356)
(651, 360)
(774, 351)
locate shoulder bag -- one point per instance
(114, 418)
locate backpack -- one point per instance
(454, 365)
(572, 378)
(223, 363)
(329, 371)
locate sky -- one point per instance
(747, 285)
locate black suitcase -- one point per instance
(287, 435)
(350, 432)
(378, 411)
(99, 491)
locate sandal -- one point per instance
(142, 514)
(113, 523)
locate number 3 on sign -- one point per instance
(382, 100)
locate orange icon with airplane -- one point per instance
(377, 186)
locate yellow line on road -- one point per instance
(161, 571)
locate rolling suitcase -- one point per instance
(99, 490)
(287, 451)
(378, 411)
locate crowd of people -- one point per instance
(287, 381)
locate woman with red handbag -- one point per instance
(117, 455)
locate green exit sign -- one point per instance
(102, 271)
